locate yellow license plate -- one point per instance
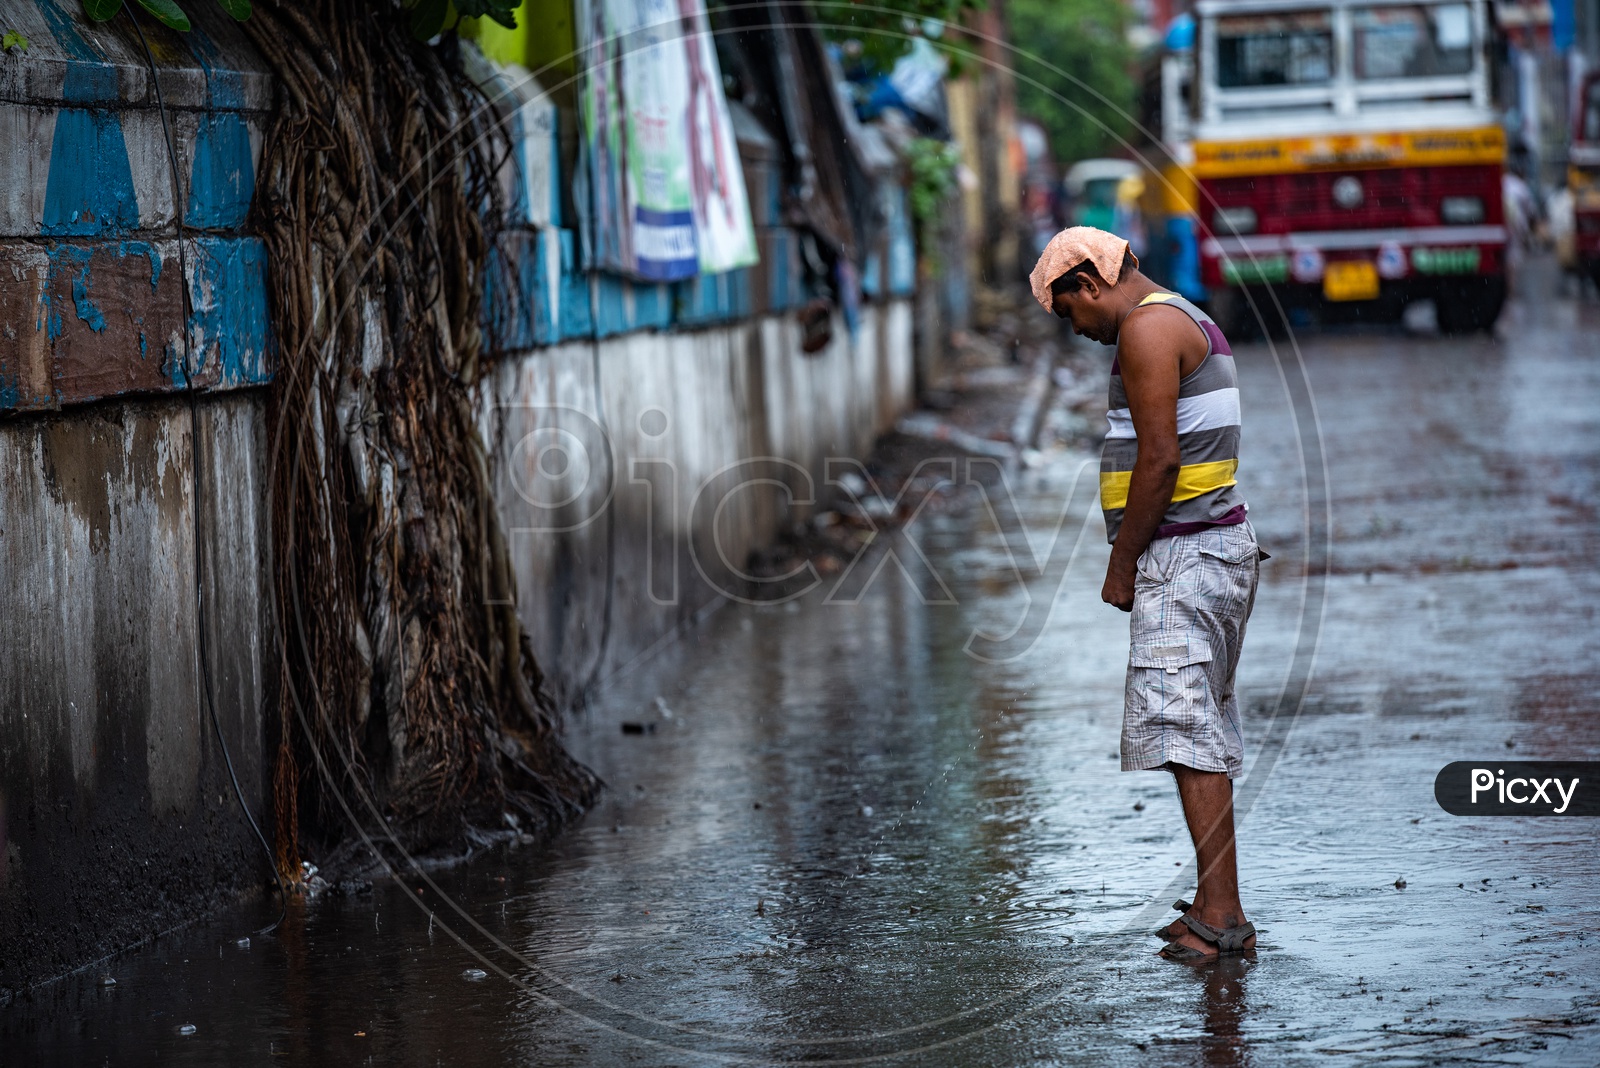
(1350, 280)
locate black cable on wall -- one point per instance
(195, 486)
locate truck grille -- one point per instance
(1393, 197)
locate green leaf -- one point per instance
(501, 11)
(239, 9)
(102, 10)
(495, 9)
(427, 18)
(11, 40)
(167, 13)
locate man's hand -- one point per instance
(1118, 589)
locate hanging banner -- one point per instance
(666, 192)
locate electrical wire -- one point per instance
(590, 685)
(186, 309)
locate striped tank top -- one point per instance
(1207, 493)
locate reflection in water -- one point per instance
(1223, 1007)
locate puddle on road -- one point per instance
(850, 841)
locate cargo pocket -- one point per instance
(1244, 554)
(1169, 705)
(1170, 653)
(1229, 577)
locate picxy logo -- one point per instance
(1519, 788)
(1483, 779)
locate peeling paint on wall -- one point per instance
(224, 82)
(230, 326)
(89, 78)
(92, 313)
(222, 179)
(81, 321)
(90, 188)
(73, 262)
(147, 250)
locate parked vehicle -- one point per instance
(1092, 191)
(1348, 155)
(1583, 178)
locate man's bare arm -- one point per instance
(1150, 351)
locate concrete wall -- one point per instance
(119, 821)
(116, 817)
(91, 304)
(618, 405)
(607, 447)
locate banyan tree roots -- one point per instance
(410, 701)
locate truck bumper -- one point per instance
(1409, 260)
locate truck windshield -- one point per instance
(1412, 41)
(1283, 48)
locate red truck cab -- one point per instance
(1350, 158)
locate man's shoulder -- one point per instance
(1158, 330)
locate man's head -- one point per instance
(1088, 300)
(1078, 277)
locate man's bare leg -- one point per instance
(1207, 798)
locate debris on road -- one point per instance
(931, 428)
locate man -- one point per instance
(1184, 558)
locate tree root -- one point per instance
(401, 652)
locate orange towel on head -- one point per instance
(1073, 246)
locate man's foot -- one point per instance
(1225, 926)
(1176, 929)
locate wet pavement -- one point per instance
(848, 839)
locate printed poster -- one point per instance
(667, 195)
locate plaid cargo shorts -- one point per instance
(1191, 600)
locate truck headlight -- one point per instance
(1461, 210)
(1226, 221)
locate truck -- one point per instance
(1348, 156)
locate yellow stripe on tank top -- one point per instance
(1193, 481)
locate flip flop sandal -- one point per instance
(1182, 906)
(1228, 940)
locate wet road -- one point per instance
(850, 840)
